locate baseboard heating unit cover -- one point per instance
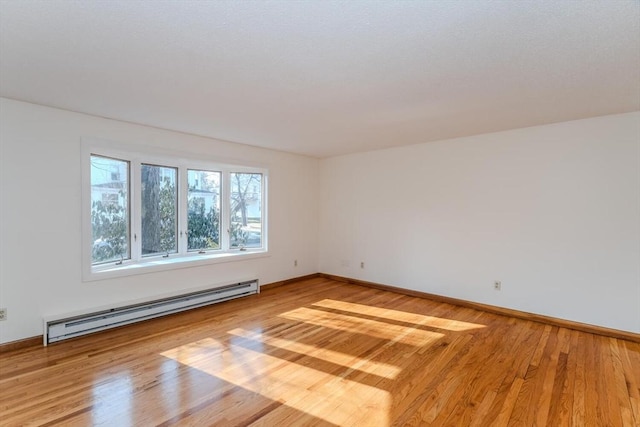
(59, 328)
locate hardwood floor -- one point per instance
(319, 352)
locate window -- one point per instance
(203, 210)
(159, 232)
(109, 210)
(246, 216)
(149, 212)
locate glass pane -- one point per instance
(203, 210)
(246, 210)
(109, 209)
(159, 210)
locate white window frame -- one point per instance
(137, 155)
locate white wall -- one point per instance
(551, 211)
(40, 244)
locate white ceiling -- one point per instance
(325, 78)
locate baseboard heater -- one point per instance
(58, 329)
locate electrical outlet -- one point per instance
(362, 264)
(497, 285)
(3, 314)
(295, 262)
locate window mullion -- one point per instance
(136, 211)
(264, 229)
(183, 194)
(225, 204)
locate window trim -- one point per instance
(137, 155)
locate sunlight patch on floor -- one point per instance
(396, 315)
(357, 325)
(347, 360)
(300, 387)
(339, 380)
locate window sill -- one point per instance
(156, 264)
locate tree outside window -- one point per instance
(246, 210)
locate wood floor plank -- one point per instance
(630, 377)
(504, 416)
(580, 384)
(485, 373)
(610, 399)
(622, 392)
(326, 353)
(518, 359)
(554, 366)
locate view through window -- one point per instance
(177, 210)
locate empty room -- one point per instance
(320, 213)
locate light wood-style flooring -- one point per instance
(320, 352)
